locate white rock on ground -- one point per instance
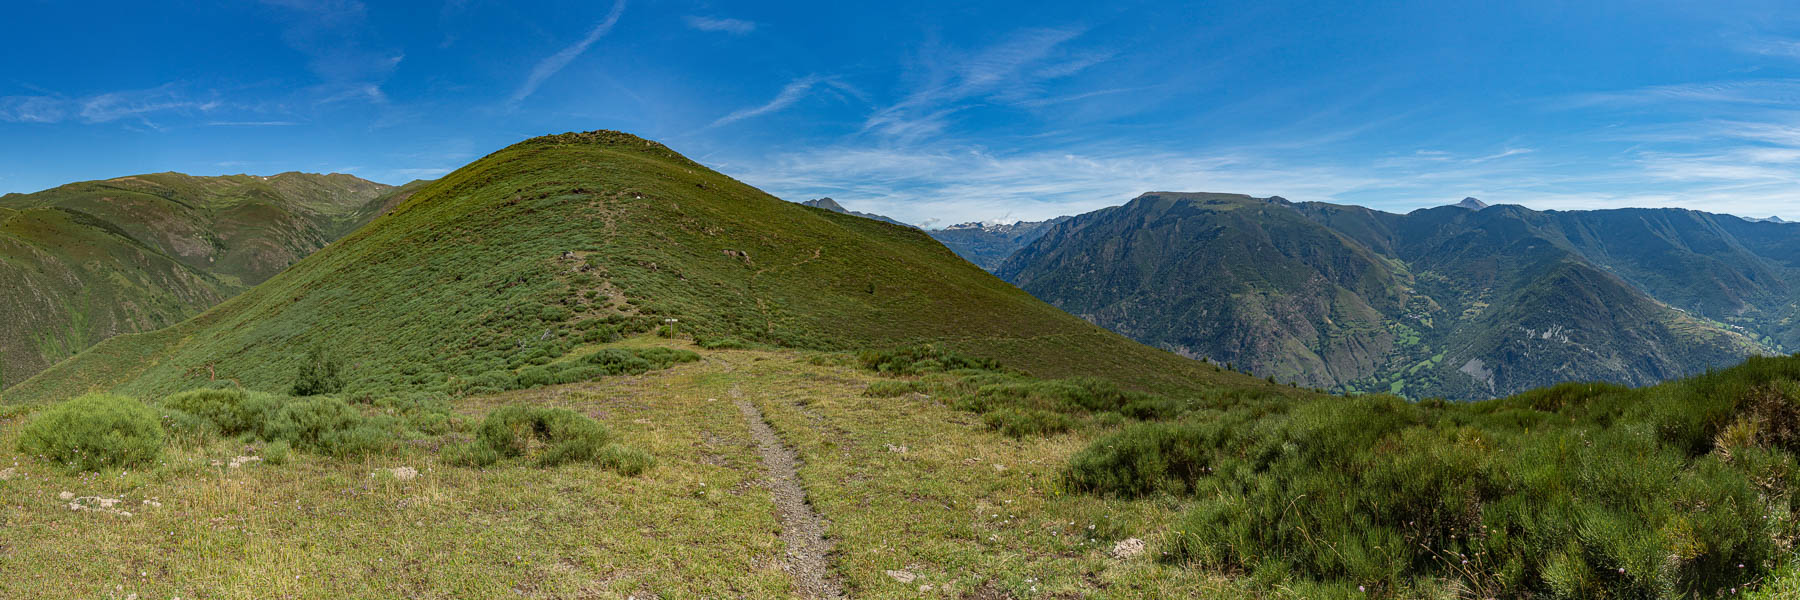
(1128, 548)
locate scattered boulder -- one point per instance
(902, 576)
(404, 473)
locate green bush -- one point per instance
(1142, 459)
(625, 460)
(893, 389)
(1574, 491)
(328, 426)
(228, 409)
(319, 374)
(1020, 423)
(531, 377)
(276, 453)
(95, 432)
(558, 436)
(920, 359)
(722, 343)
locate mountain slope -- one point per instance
(1230, 278)
(1464, 301)
(87, 261)
(507, 262)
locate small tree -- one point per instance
(320, 373)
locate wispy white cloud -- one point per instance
(420, 173)
(106, 107)
(731, 26)
(1772, 92)
(971, 184)
(790, 93)
(33, 109)
(1013, 71)
(555, 62)
(342, 49)
(252, 123)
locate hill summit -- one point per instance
(1471, 203)
(514, 259)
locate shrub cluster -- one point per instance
(1013, 404)
(1574, 491)
(320, 424)
(602, 363)
(94, 432)
(921, 359)
(552, 436)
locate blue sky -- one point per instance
(941, 112)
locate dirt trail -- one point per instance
(802, 531)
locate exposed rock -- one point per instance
(1127, 548)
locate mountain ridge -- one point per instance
(1360, 300)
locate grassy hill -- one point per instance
(535, 250)
(87, 261)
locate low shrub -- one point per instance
(625, 460)
(329, 426)
(1680, 490)
(1018, 423)
(276, 453)
(531, 377)
(920, 359)
(893, 389)
(557, 435)
(722, 343)
(95, 432)
(1142, 459)
(228, 409)
(319, 374)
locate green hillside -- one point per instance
(555, 242)
(87, 261)
(1447, 302)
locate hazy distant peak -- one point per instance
(833, 206)
(827, 204)
(1471, 203)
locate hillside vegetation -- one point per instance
(584, 366)
(516, 260)
(1462, 302)
(87, 261)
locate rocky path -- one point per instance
(802, 531)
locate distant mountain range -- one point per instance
(1463, 301)
(988, 244)
(87, 261)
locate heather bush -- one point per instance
(95, 432)
(547, 437)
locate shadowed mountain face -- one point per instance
(1464, 301)
(87, 261)
(510, 261)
